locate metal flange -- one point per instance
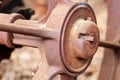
(77, 53)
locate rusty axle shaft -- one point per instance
(44, 33)
(26, 30)
(109, 44)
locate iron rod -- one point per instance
(109, 44)
(26, 30)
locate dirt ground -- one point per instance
(24, 61)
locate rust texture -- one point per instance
(109, 44)
(70, 27)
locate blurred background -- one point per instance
(24, 61)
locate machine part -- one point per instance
(79, 44)
(57, 29)
(67, 41)
(6, 38)
(26, 30)
(84, 27)
(109, 44)
(86, 34)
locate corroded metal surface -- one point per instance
(109, 44)
(77, 50)
(67, 37)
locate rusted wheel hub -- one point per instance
(84, 38)
(80, 45)
(67, 38)
(80, 38)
